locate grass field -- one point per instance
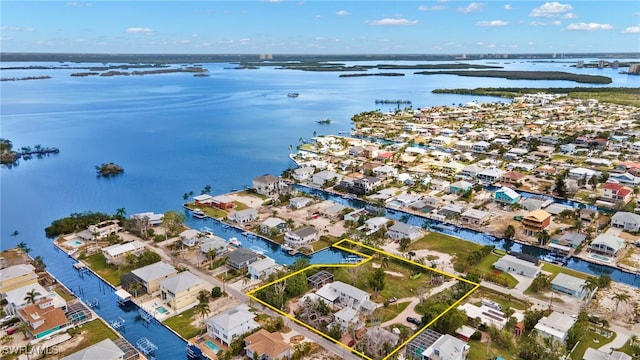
(445, 244)
(590, 339)
(487, 265)
(555, 270)
(484, 351)
(181, 324)
(92, 332)
(383, 314)
(98, 263)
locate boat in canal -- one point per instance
(198, 214)
(235, 242)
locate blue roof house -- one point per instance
(506, 195)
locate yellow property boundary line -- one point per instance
(366, 258)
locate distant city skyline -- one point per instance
(320, 27)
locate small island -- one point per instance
(110, 169)
(9, 157)
(324, 121)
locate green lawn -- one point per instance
(181, 324)
(98, 263)
(590, 339)
(210, 211)
(507, 301)
(486, 265)
(555, 270)
(320, 244)
(91, 333)
(480, 351)
(66, 296)
(383, 314)
(627, 349)
(445, 244)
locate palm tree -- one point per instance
(590, 285)
(211, 255)
(31, 296)
(23, 327)
(203, 310)
(39, 264)
(24, 247)
(620, 297)
(203, 297)
(134, 287)
(15, 233)
(120, 212)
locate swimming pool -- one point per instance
(600, 258)
(162, 310)
(74, 243)
(212, 346)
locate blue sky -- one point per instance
(320, 27)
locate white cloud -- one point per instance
(636, 14)
(632, 30)
(508, 7)
(343, 13)
(491, 46)
(530, 43)
(492, 23)
(570, 16)
(431, 8)
(244, 40)
(551, 9)
(139, 30)
(474, 6)
(589, 26)
(16, 28)
(81, 4)
(387, 21)
(542, 23)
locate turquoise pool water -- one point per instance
(162, 310)
(600, 257)
(212, 346)
(74, 243)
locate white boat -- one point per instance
(257, 250)
(199, 214)
(235, 242)
(286, 247)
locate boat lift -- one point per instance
(123, 297)
(94, 304)
(146, 346)
(146, 316)
(118, 323)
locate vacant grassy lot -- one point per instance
(445, 244)
(98, 263)
(555, 270)
(181, 324)
(91, 332)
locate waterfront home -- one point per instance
(43, 318)
(536, 203)
(326, 177)
(535, 222)
(222, 202)
(299, 202)
(440, 141)
(103, 350)
(490, 175)
(181, 290)
(15, 298)
(594, 354)
(262, 268)
(216, 243)
(607, 244)
(333, 211)
(355, 215)
(263, 345)
(582, 173)
(450, 211)
(149, 277)
(241, 258)
(470, 172)
(512, 178)
(118, 252)
(505, 195)
(555, 326)
(616, 192)
(268, 185)
(402, 230)
(16, 276)
(374, 224)
(512, 264)
(346, 295)
(625, 178)
(231, 324)
(244, 216)
(190, 237)
(202, 200)
(626, 220)
(303, 174)
(404, 200)
(152, 218)
(475, 217)
(302, 236)
(365, 185)
(105, 228)
(460, 187)
(273, 225)
(569, 285)
(570, 239)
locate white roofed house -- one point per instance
(302, 236)
(268, 185)
(117, 252)
(346, 295)
(475, 217)
(273, 224)
(103, 229)
(16, 298)
(231, 324)
(402, 230)
(216, 243)
(570, 285)
(181, 290)
(16, 276)
(203, 199)
(299, 202)
(385, 171)
(244, 216)
(150, 276)
(555, 326)
(326, 177)
(103, 350)
(262, 268)
(626, 220)
(374, 224)
(303, 173)
(489, 176)
(190, 237)
(607, 244)
(152, 219)
(512, 264)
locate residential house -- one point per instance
(431, 345)
(302, 236)
(374, 224)
(536, 203)
(545, 170)
(512, 264)
(570, 239)
(299, 202)
(268, 185)
(150, 276)
(103, 350)
(303, 174)
(401, 230)
(512, 178)
(569, 285)
(441, 141)
(231, 324)
(581, 173)
(325, 177)
(460, 187)
(463, 145)
(43, 318)
(117, 252)
(616, 192)
(607, 244)
(514, 153)
(345, 294)
(103, 229)
(222, 202)
(320, 279)
(241, 258)
(16, 298)
(216, 243)
(153, 219)
(452, 167)
(593, 354)
(506, 195)
(626, 220)
(470, 171)
(567, 148)
(366, 185)
(475, 217)
(244, 216)
(273, 225)
(202, 200)
(480, 146)
(487, 315)
(347, 317)
(263, 345)
(190, 237)
(355, 215)
(262, 268)
(490, 175)
(535, 222)
(370, 152)
(555, 326)
(333, 211)
(385, 171)
(404, 200)
(625, 178)
(16, 276)
(450, 211)
(181, 290)
(356, 150)
(439, 185)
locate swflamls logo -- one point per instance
(30, 350)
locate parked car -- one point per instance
(412, 253)
(392, 300)
(414, 320)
